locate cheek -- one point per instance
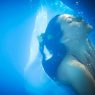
(76, 26)
(79, 29)
(73, 27)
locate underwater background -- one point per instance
(21, 21)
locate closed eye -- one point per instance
(69, 20)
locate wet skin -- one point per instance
(74, 70)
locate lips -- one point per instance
(90, 26)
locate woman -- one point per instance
(72, 62)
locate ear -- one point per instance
(64, 40)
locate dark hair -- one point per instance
(51, 39)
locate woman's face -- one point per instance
(74, 27)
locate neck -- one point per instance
(76, 46)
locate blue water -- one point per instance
(17, 19)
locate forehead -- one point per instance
(65, 16)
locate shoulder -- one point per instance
(74, 74)
(70, 70)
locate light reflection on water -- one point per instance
(37, 80)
